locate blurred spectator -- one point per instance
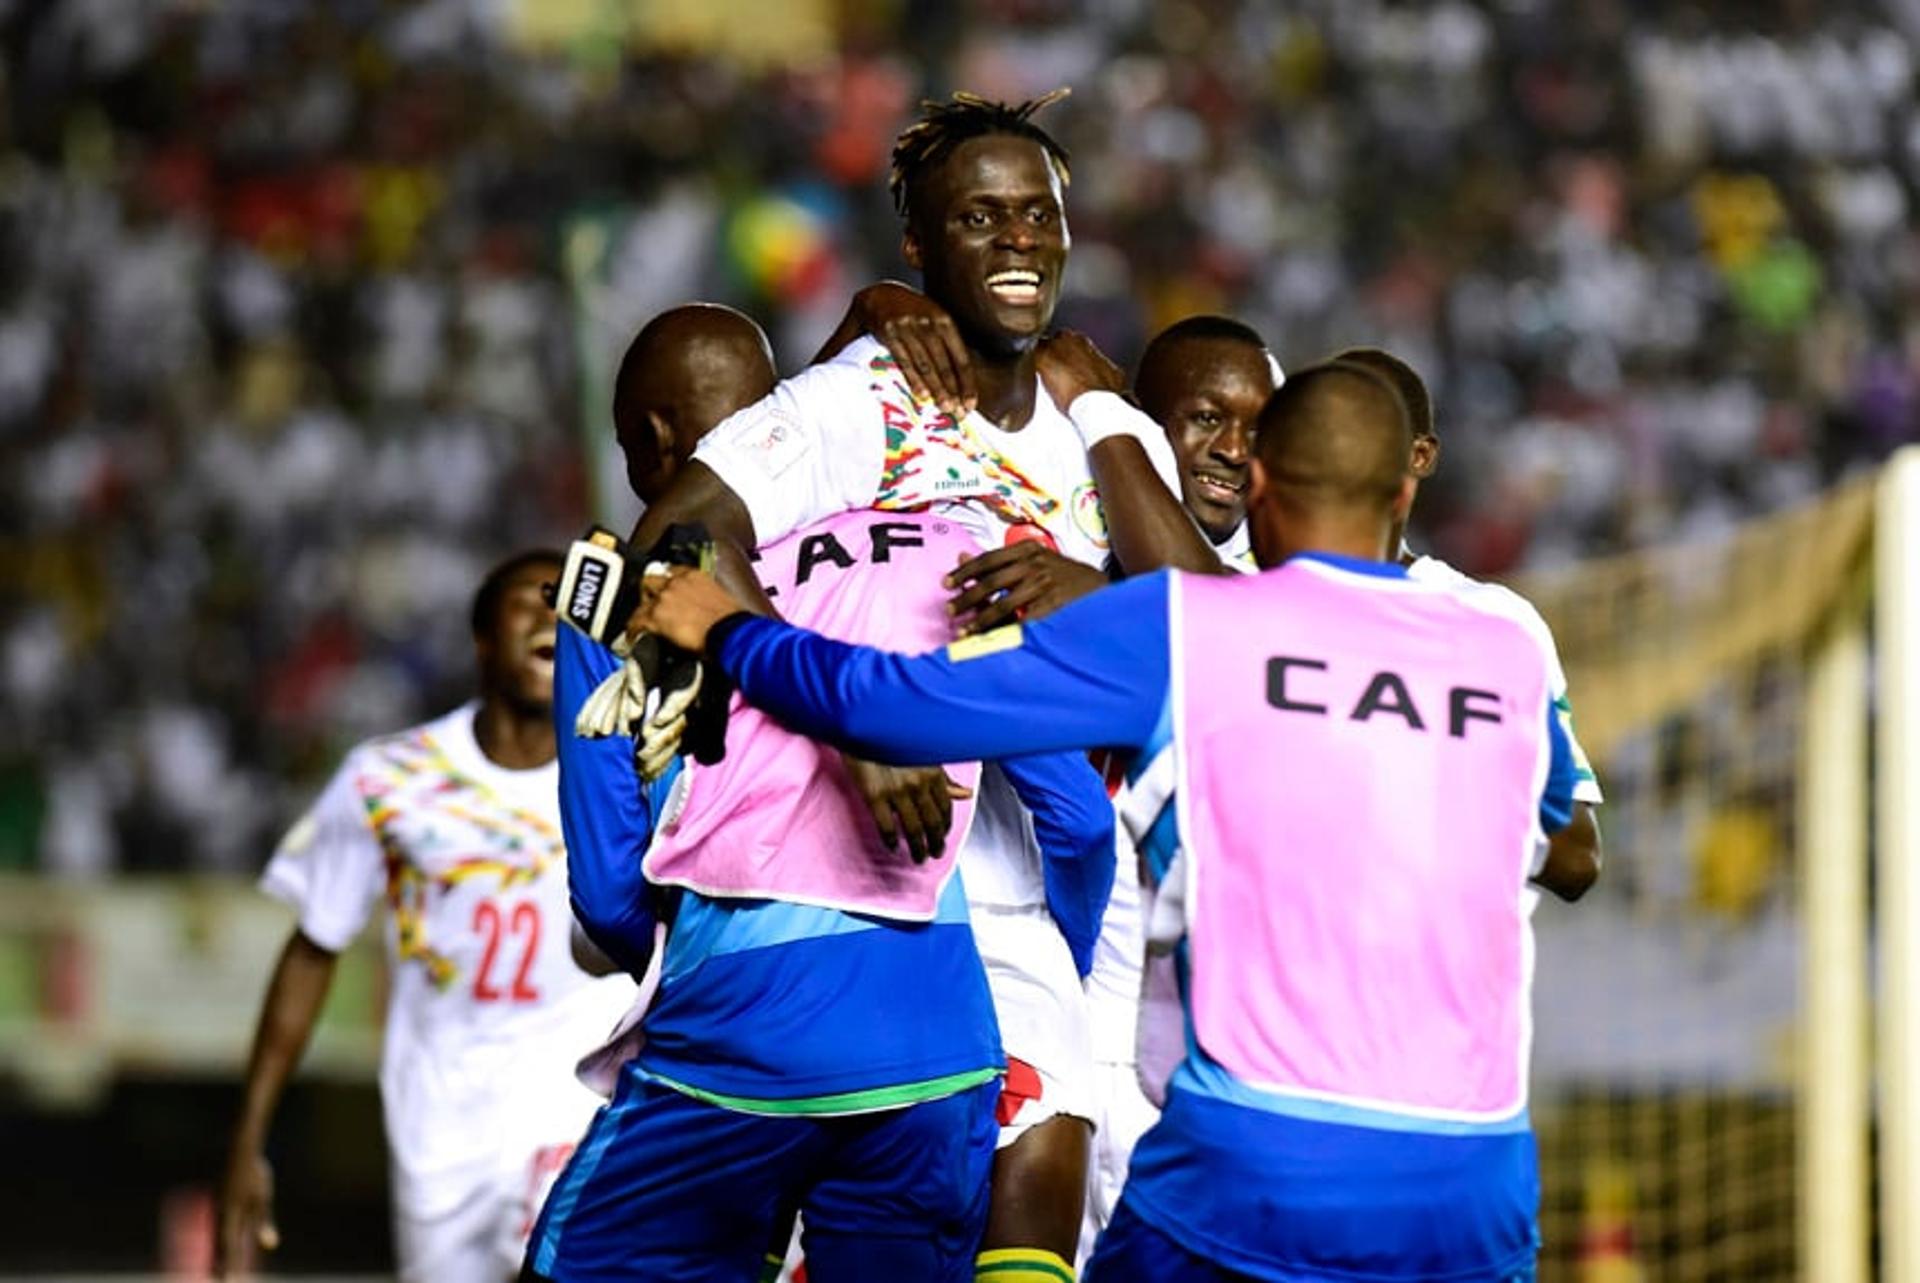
(306, 308)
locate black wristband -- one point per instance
(723, 629)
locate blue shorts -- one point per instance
(1132, 1251)
(673, 1190)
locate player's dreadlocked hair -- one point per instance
(943, 126)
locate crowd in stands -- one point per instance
(306, 305)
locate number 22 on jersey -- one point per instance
(520, 926)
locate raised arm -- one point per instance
(922, 337)
(606, 814)
(699, 495)
(1146, 523)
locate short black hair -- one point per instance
(1407, 384)
(486, 600)
(943, 126)
(1207, 327)
(1149, 378)
(1373, 460)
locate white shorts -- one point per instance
(1125, 1115)
(483, 1235)
(1042, 1008)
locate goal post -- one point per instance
(1706, 1080)
(1897, 869)
(1834, 1123)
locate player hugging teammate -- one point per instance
(900, 1002)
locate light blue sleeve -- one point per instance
(606, 814)
(1073, 823)
(1563, 776)
(1093, 676)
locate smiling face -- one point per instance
(988, 231)
(515, 646)
(1207, 394)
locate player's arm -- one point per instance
(1073, 824)
(1131, 459)
(295, 994)
(697, 494)
(922, 337)
(1570, 862)
(606, 813)
(330, 868)
(1572, 865)
(587, 955)
(1093, 676)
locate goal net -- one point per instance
(1684, 1007)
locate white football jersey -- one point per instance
(847, 435)
(1237, 552)
(487, 1012)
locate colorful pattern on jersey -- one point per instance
(409, 778)
(917, 442)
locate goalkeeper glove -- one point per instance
(660, 695)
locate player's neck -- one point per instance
(1006, 385)
(1397, 545)
(514, 739)
(1277, 542)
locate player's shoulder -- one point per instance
(408, 747)
(1484, 594)
(864, 364)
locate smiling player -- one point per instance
(1204, 380)
(981, 189)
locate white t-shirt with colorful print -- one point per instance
(847, 435)
(487, 1012)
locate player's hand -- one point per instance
(910, 802)
(924, 340)
(1069, 365)
(1021, 581)
(680, 605)
(246, 1214)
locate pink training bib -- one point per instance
(779, 819)
(1360, 765)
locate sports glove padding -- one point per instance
(660, 695)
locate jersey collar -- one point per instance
(1356, 565)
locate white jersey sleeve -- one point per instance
(812, 448)
(1099, 415)
(330, 867)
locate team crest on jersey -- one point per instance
(1089, 515)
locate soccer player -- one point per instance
(454, 827)
(1573, 859)
(981, 189)
(1204, 380)
(822, 1035)
(1354, 962)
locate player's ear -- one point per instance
(1426, 456)
(1256, 483)
(660, 434)
(910, 249)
